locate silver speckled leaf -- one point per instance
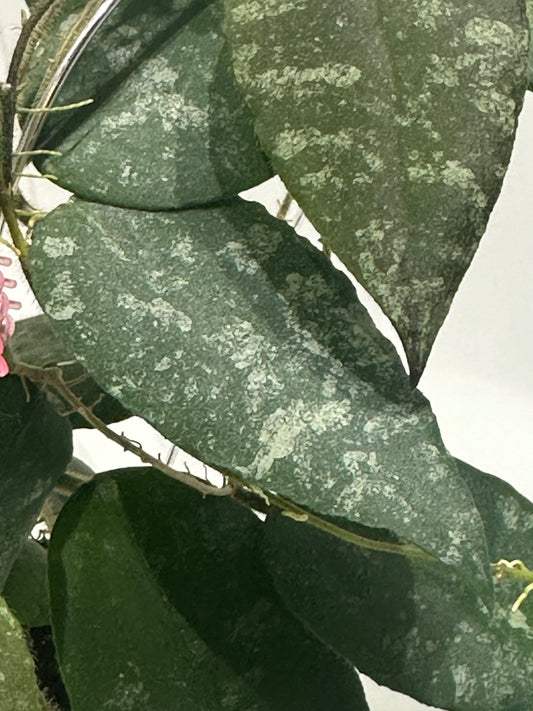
(434, 640)
(242, 344)
(391, 122)
(168, 126)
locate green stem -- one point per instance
(513, 570)
(52, 378)
(267, 501)
(9, 94)
(7, 207)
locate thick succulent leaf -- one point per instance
(168, 126)
(414, 626)
(242, 344)
(18, 685)
(26, 588)
(35, 448)
(37, 343)
(160, 593)
(391, 122)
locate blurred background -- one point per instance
(479, 377)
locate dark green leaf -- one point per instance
(168, 126)
(37, 343)
(18, 685)
(243, 345)
(35, 448)
(26, 588)
(161, 596)
(391, 122)
(414, 626)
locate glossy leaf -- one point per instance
(413, 626)
(160, 598)
(168, 126)
(36, 343)
(392, 125)
(35, 448)
(243, 345)
(18, 686)
(26, 588)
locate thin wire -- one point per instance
(35, 122)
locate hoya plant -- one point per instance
(343, 535)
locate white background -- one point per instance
(479, 378)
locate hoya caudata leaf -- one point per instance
(168, 126)
(36, 343)
(243, 345)
(35, 448)
(391, 122)
(161, 600)
(18, 685)
(413, 626)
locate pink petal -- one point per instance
(4, 368)
(7, 328)
(4, 305)
(5, 261)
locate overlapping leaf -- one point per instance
(160, 600)
(35, 448)
(243, 345)
(413, 626)
(18, 686)
(26, 587)
(37, 344)
(391, 122)
(168, 126)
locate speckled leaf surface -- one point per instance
(35, 448)
(18, 686)
(198, 626)
(168, 126)
(413, 626)
(36, 343)
(242, 344)
(391, 122)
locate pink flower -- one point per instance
(7, 324)
(4, 368)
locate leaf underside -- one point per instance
(198, 625)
